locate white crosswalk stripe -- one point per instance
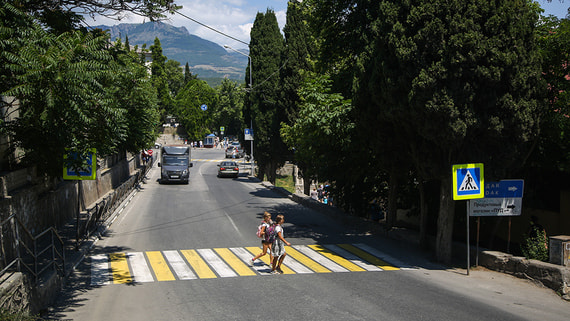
(139, 268)
(217, 264)
(183, 271)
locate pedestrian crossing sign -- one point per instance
(468, 181)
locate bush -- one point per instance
(535, 247)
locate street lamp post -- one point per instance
(250, 89)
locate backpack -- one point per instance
(260, 230)
(270, 233)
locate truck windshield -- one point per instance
(169, 160)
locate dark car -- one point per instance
(228, 169)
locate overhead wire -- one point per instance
(215, 30)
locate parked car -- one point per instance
(228, 168)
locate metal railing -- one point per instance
(28, 253)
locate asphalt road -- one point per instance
(179, 252)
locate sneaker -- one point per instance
(279, 270)
(274, 272)
(251, 262)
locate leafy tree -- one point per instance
(322, 130)
(59, 81)
(266, 47)
(229, 107)
(132, 89)
(198, 123)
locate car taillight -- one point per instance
(222, 168)
(236, 168)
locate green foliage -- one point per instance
(74, 92)
(229, 108)
(535, 247)
(187, 104)
(323, 129)
(19, 316)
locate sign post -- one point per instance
(503, 198)
(248, 135)
(468, 181)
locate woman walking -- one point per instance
(278, 246)
(266, 240)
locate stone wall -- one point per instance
(14, 294)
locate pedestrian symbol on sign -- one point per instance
(468, 183)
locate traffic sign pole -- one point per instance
(468, 181)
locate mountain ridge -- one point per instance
(205, 58)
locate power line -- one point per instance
(204, 25)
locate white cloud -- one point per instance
(232, 17)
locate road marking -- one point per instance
(352, 258)
(236, 264)
(100, 270)
(216, 263)
(151, 266)
(368, 257)
(139, 267)
(384, 256)
(200, 267)
(182, 271)
(348, 265)
(306, 261)
(160, 267)
(120, 268)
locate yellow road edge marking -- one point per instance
(120, 268)
(159, 266)
(336, 258)
(256, 250)
(306, 261)
(198, 264)
(368, 257)
(234, 262)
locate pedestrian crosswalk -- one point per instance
(172, 265)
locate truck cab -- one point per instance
(175, 164)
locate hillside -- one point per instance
(205, 58)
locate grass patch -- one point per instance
(287, 182)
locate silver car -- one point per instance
(228, 168)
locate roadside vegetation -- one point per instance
(379, 98)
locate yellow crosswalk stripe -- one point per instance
(234, 262)
(120, 268)
(368, 257)
(306, 261)
(336, 258)
(159, 266)
(198, 264)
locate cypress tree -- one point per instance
(266, 48)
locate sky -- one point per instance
(235, 17)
